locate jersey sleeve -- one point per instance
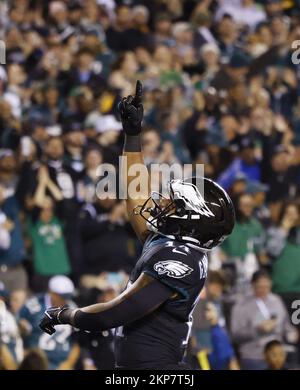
(178, 268)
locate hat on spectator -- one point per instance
(61, 285)
(54, 131)
(106, 123)
(239, 60)
(71, 127)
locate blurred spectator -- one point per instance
(246, 163)
(283, 245)
(34, 359)
(74, 142)
(228, 35)
(50, 255)
(84, 73)
(203, 21)
(8, 171)
(245, 12)
(61, 349)
(258, 191)
(10, 337)
(58, 172)
(86, 185)
(244, 246)
(275, 355)
(209, 327)
(281, 175)
(122, 36)
(239, 186)
(108, 134)
(171, 133)
(257, 319)
(12, 250)
(163, 29)
(102, 223)
(17, 300)
(65, 178)
(151, 143)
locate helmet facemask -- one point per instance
(154, 212)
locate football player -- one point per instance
(153, 316)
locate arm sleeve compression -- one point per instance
(135, 306)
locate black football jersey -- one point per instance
(160, 338)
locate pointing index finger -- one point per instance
(138, 92)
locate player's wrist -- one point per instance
(65, 316)
(132, 143)
(132, 127)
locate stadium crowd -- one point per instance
(222, 88)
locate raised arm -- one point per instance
(54, 190)
(40, 192)
(131, 110)
(45, 182)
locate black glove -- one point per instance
(51, 318)
(132, 110)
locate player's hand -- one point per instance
(51, 319)
(132, 110)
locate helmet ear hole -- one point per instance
(180, 209)
(180, 212)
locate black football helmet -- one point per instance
(199, 211)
